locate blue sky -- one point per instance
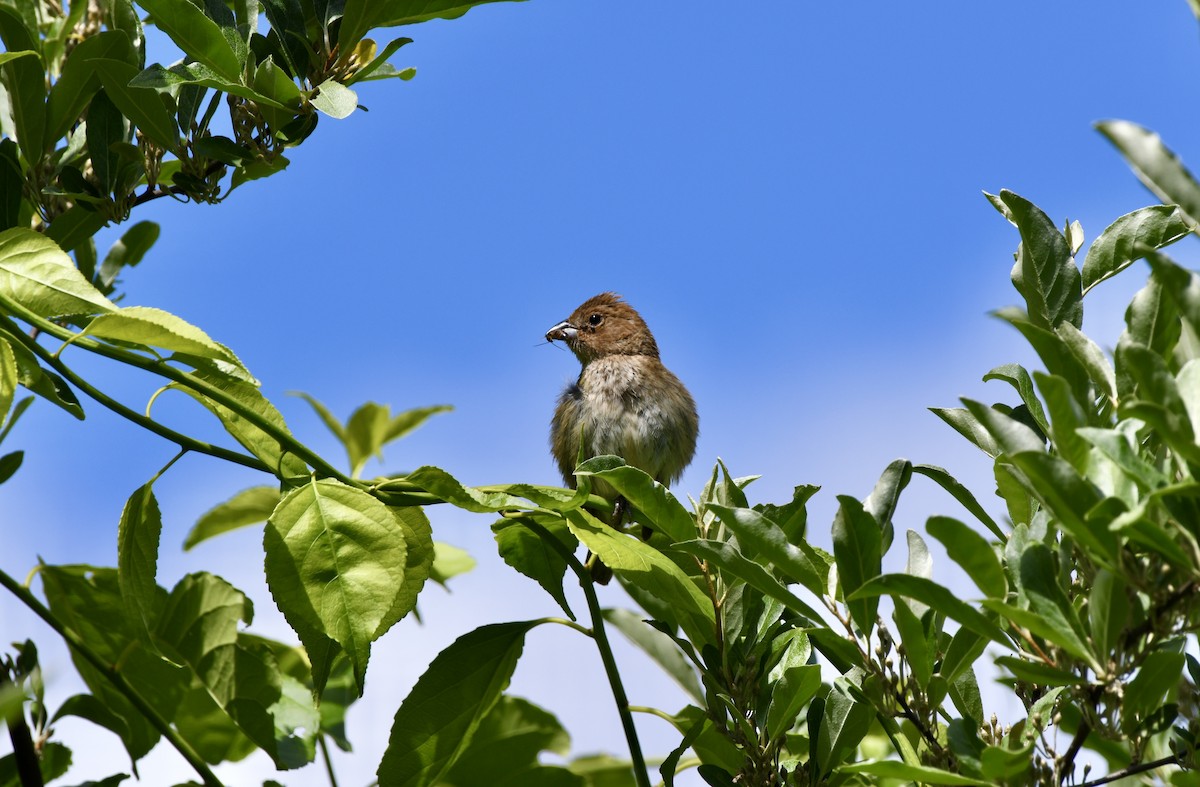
(791, 197)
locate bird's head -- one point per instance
(604, 325)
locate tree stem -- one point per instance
(606, 655)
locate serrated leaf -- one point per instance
(137, 558)
(438, 718)
(335, 563)
(152, 327)
(527, 552)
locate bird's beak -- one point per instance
(564, 331)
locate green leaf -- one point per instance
(1052, 349)
(972, 552)
(661, 509)
(372, 426)
(844, 725)
(505, 748)
(726, 557)
(1152, 318)
(768, 540)
(895, 769)
(137, 558)
(1010, 435)
(1044, 273)
(251, 436)
(436, 721)
(418, 566)
(78, 81)
(792, 517)
(334, 99)
(960, 493)
(659, 647)
(196, 34)
(1157, 401)
(8, 378)
(40, 381)
(335, 563)
(939, 598)
(25, 84)
(1159, 169)
(128, 251)
(88, 601)
(643, 565)
(528, 553)
(1108, 612)
(440, 483)
(75, 226)
(969, 427)
(1159, 675)
(964, 693)
(378, 62)
(157, 77)
(151, 327)
(1120, 446)
(794, 688)
(916, 644)
(1003, 764)
(857, 547)
(10, 463)
(448, 562)
(1067, 418)
(142, 107)
(1068, 497)
(1038, 673)
(362, 16)
(1127, 239)
(1182, 286)
(39, 275)
(105, 129)
(1016, 376)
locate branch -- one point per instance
(24, 753)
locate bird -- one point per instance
(624, 403)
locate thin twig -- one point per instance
(1141, 767)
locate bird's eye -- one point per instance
(595, 319)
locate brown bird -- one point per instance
(625, 402)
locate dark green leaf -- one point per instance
(1054, 352)
(1044, 274)
(857, 547)
(1108, 612)
(438, 718)
(1016, 376)
(1010, 434)
(792, 516)
(141, 106)
(78, 81)
(1067, 417)
(362, 16)
(942, 600)
(844, 725)
(1127, 239)
(105, 128)
(916, 644)
(1068, 497)
(1152, 318)
(12, 185)
(196, 34)
(768, 540)
(1159, 674)
(75, 226)
(128, 250)
(1038, 673)
(379, 61)
(26, 84)
(960, 493)
(505, 747)
(1156, 166)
